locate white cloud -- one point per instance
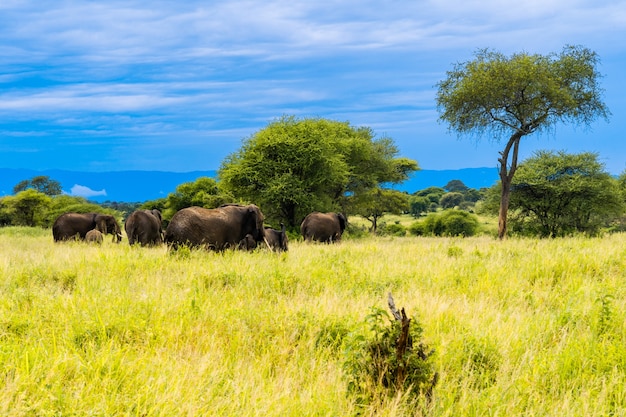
(84, 191)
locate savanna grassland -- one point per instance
(519, 327)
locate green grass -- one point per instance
(520, 327)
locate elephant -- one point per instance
(94, 236)
(323, 227)
(144, 227)
(276, 240)
(247, 243)
(215, 229)
(70, 226)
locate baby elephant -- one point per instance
(94, 236)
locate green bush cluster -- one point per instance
(446, 223)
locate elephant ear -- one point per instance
(101, 223)
(156, 213)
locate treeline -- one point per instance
(293, 167)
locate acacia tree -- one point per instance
(375, 203)
(559, 193)
(41, 183)
(517, 96)
(26, 208)
(294, 166)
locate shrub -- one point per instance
(393, 229)
(451, 223)
(417, 229)
(373, 365)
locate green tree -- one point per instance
(456, 186)
(554, 194)
(203, 192)
(517, 96)
(41, 183)
(373, 204)
(432, 193)
(295, 166)
(27, 208)
(451, 200)
(418, 205)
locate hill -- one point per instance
(132, 186)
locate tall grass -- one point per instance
(520, 327)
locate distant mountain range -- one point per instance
(136, 186)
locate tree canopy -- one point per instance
(555, 193)
(295, 166)
(375, 203)
(41, 183)
(519, 95)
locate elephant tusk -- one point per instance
(268, 244)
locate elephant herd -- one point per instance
(228, 226)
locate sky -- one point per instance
(179, 85)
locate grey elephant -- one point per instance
(144, 227)
(276, 240)
(215, 229)
(247, 243)
(70, 226)
(323, 227)
(94, 236)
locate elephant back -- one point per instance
(323, 227)
(217, 229)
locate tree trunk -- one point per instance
(506, 177)
(505, 197)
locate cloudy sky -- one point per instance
(177, 85)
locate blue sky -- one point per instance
(177, 85)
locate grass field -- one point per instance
(520, 327)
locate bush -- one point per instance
(393, 229)
(417, 228)
(373, 367)
(450, 223)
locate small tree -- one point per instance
(418, 205)
(455, 186)
(374, 204)
(389, 357)
(451, 200)
(432, 193)
(41, 183)
(518, 96)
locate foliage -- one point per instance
(456, 186)
(41, 183)
(33, 208)
(451, 200)
(517, 96)
(418, 205)
(375, 203)
(126, 208)
(372, 365)
(203, 192)
(417, 228)
(554, 194)
(26, 208)
(432, 193)
(451, 223)
(393, 229)
(295, 166)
